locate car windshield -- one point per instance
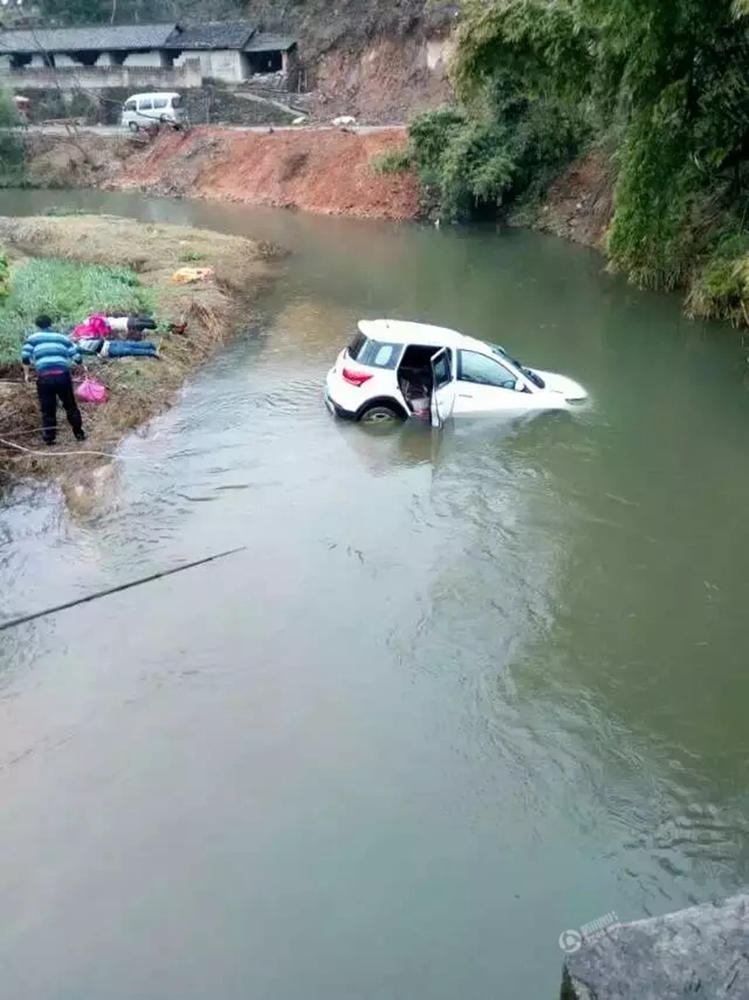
(528, 372)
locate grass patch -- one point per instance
(67, 291)
(720, 288)
(190, 255)
(394, 161)
(61, 211)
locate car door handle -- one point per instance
(465, 395)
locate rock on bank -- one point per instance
(699, 952)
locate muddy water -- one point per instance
(460, 692)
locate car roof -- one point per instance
(154, 93)
(397, 331)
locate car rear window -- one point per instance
(374, 353)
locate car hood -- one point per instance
(561, 384)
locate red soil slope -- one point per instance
(319, 170)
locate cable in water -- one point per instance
(22, 619)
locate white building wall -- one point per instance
(135, 79)
(64, 61)
(204, 58)
(223, 64)
(226, 65)
(153, 59)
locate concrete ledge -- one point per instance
(702, 952)
(132, 78)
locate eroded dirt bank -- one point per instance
(317, 170)
(323, 170)
(580, 203)
(206, 315)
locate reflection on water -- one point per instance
(462, 691)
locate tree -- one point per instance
(665, 78)
(70, 12)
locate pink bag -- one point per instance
(91, 391)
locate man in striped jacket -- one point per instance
(51, 354)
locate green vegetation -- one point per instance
(190, 255)
(5, 277)
(68, 292)
(12, 166)
(663, 81)
(60, 211)
(475, 164)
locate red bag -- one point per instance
(91, 391)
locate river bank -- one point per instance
(322, 170)
(339, 171)
(203, 314)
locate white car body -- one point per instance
(142, 110)
(462, 376)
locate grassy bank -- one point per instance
(66, 291)
(70, 267)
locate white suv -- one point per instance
(392, 370)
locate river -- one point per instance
(462, 691)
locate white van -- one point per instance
(142, 110)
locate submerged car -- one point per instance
(393, 370)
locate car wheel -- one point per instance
(134, 127)
(380, 414)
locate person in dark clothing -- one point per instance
(51, 354)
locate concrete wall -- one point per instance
(223, 64)
(227, 65)
(133, 79)
(156, 59)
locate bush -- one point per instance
(12, 157)
(5, 277)
(67, 292)
(720, 290)
(395, 161)
(478, 165)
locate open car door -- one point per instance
(443, 387)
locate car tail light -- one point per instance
(355, 378)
